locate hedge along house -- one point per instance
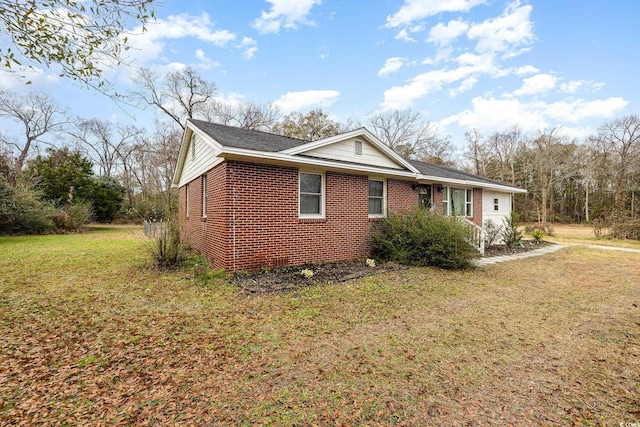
(250, 199)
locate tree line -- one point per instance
(566, 179)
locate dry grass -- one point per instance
(91, 336)
(583, 234)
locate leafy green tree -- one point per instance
(62, 172)
(106, 196)
(66, 176)
(78, 35)
(314, 125)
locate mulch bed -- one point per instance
(525, 246)
(292, 278)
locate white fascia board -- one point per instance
(469, 183)
(184, 146)
(253, 155)
(363, 132)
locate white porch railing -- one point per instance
(475, 234)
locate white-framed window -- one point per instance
(457, 201)
(377, 198)
(186, 199)
(204, 195)
(496, 205)
(311, 195)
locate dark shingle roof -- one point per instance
(246, 138)
(231, 136)
(445, 172)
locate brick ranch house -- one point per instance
(251, 199)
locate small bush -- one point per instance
(628, 229)
(73, 217)
(492, 233)
(422, 237)
(510, 233)
(22, 211)
(167, 251)
(537, 234)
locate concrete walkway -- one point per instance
(481, 262)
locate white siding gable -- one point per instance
(201, 156)
(346, 151)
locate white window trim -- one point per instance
(186, 202)
(384, 198)
(323, 197)
(203, 182)
(446, 191)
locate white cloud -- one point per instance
(537, 84)
(404, 35)
(505, 33)
(391, 65)
(149, 45)
(415, 10)
(400, 97)
(205, 63)
(489, 114)
(286, 14)
(572, 86)
(296, 101)
(527, 69)
(445, 34)
(250, 47)
(467, 84)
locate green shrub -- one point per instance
(166, 249)
(537, 234)
(422, 237)
(22, 211)
(73, 217)
(510, 233)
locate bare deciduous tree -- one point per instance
(245, 115)
(407, 134)
(181, 94)
(37, 114)
(620, 140)
(105, 143)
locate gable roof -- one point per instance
(257, 146)
(447, 173)
(231, 136)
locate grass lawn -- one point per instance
(91, 336)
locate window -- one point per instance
(204, 196)
(424, 196)
(457, 201)
(311, 194)
(186, 199)
(496, 206)
(377, 205)
(358, 148)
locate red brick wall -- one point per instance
(207, 235)
(252, 217)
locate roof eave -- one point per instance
(471, 183)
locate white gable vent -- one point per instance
(358, 148)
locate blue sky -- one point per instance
(463, 64)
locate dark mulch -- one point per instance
(525, 246)
(292, 278)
